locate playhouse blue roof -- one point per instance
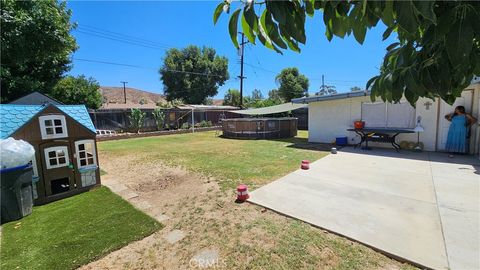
(12, 116)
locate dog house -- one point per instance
(260, 128)
(65, 161)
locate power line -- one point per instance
(132, 40)
(150, 68)
(312, 79)
(264, 69)
(112, 63)
(125, 36)
(121, 40)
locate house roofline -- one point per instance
(44, 107)
(45, 95)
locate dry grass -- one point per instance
(201, 203)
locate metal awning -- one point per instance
(330, 97)
(285, 107)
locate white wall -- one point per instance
(331, 118)
(475, 143)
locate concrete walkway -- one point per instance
(421, 207)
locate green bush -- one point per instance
(137, 118)
(205, 124)
(185, 126)
(159, 117)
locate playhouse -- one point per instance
(65, 161)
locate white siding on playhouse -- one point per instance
(331, 118)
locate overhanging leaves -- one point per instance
(437, 50)
(249, 24)
(218, 11)
(232, 27)
(271, 29)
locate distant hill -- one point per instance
(114, 98)
(217, 102)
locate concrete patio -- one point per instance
(420, 207)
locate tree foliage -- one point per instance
(36, 45)
(250, 102)
(78, 90)
(292, 83)
(232, 98)
(436, 54)
(327, 90)
(274, 94)
(256, 94)
(169, 104)
(193, 74)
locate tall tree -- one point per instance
(257, 94)
(78, 90)
(232, 98)
(36, 46)
(193, 74)
(274, 94)
(436, 54)
(327, 90)
(292, 83)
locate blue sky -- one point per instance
(169, 24)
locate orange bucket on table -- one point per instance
(359, 124)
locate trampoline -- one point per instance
(260, 128)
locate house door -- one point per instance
(466, 101)
(57, 168)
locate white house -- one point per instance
(330, 117)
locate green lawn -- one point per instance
(69, 233)
(254, 162)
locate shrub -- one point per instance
(137, 118)
(205, 124)
(185, 126)
(159, 117)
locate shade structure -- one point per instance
(285, 107)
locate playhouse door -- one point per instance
(57, 167)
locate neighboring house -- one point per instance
(65, 161)
(36, 98)
(330, 117)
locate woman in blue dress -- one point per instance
(459, 130)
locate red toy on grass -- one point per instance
(242, 193)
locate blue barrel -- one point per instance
(341, 141)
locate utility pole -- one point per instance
(241, 69)
(124, 91)
(323, 82)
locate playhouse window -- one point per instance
(85, 153)
(53, 126)
(56, 157)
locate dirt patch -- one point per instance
(246, 236)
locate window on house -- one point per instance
(56, 157)
(85, 153)
(53, 126)
(380, 114)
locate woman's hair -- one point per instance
(461, 109)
